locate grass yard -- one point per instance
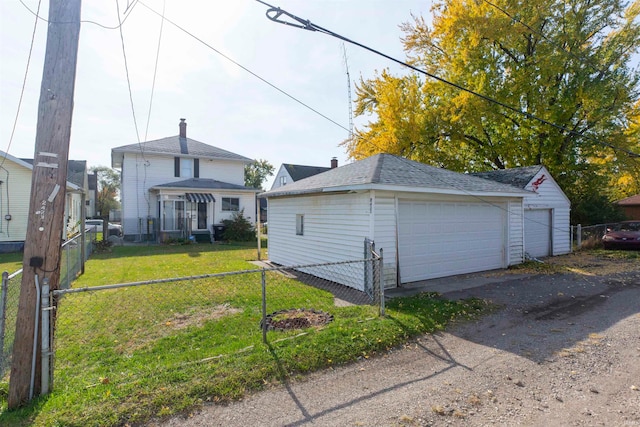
(133, 354)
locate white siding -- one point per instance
(549, 195)
(282, 172)
(335, 227)
(15, 194)
(139, 174)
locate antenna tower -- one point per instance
(346, 67)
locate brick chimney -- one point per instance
(183, 128)
(334, 162)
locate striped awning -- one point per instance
(200, 197)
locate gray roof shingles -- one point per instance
(298, 172)
(518, 177)
(205, 184)
(391, 170)
(175, 145)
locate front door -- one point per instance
(202, 216)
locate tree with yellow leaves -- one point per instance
(564, 62)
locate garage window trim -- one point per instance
(300, 225)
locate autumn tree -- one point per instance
(257, 172)
(108, 189)
(564, 62)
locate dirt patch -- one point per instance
(297, 318)
(200, 316)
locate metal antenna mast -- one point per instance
(346, 67)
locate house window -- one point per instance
(300, 225)
(283, 180)
(173, 215)
(186, 168)
(230, 204)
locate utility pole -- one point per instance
(48, 188)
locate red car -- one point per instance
(625, 235)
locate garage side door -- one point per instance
(537, 232)
(438, 239)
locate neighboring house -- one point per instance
(15, 195)
(289, 173)
(547, 229)
(179, 187)
(630, 207)
(430, 222)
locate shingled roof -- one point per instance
(298, 172)
(205, 184)
(630, 201)
(178, 145)
(518, 177)
(386, 171)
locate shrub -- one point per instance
(238, 229)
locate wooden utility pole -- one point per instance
(48, 190)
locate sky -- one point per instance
(224, 105)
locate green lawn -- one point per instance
(128, 355)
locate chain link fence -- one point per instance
(154, 327)
(588, 236)
(72, 258)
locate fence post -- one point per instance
(264, 306)
(3, 315)
(579, 235)
(45, 335)
(381, 282)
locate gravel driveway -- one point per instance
(563, 349)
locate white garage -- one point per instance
(430, 222)
(547, 229)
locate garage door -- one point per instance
(537, 232)
(437, 239)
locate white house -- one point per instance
(547, 229)
(178, 187)
(290, 173)
(430, 222)
(15, 195)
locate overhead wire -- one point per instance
(308, 25)
(155, 70)
(129, 8)
(24, 84)
(246, 69)
(126, 68)
(582, 60)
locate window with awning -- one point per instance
(200, 197)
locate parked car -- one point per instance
(96, 226)
(625, 235)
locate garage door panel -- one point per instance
(537, 232)
(441, 239)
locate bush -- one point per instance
(238, 229)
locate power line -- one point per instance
(24, 84)
(126, 68)
(246, 69)
(558, 46)
(155, 70)
(305, 24)
(129, 9)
